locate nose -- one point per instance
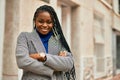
(45, 24)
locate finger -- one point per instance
(60, 53)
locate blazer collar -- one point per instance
(37, 42)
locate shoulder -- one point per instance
(23, 35)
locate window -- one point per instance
(99, 45)
(119, 5)
(118, 52)
(98, 29)
(99, 53)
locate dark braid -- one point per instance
(57, 25)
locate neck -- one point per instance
(43, 36)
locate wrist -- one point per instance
(42, 57)
(45, 58)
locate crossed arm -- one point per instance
(43, 64)
(42, 57)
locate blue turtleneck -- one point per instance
(45, 39)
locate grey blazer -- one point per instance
(52, 69)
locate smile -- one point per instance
(44, 30)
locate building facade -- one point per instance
(92, 29)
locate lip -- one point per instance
(44, 30)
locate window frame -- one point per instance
(99, 18)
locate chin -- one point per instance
(44, 33)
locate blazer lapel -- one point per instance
(54, 46)
(37, 42)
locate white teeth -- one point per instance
(44, 30)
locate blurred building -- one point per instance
(91, 27)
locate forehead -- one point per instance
(44, 14)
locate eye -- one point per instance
(49, 22)
(41, 21)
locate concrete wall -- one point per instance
(11, 32)
(83, 32)
(2, 24)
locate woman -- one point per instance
(44, 53)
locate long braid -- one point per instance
(64, 43)
(57, 28)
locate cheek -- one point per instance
(37, 24)
(51, 25)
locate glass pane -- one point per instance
(99, 53)
(118, 52)
(99, 50)
(100, 65)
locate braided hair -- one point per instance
(57, 30)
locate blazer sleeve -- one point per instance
(27, 63)
(59, 63)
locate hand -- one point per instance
(62, 53)
(38, 56)
(42, 57)
(34, 55)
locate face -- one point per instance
(44, 22)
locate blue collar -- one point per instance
(45, 39)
